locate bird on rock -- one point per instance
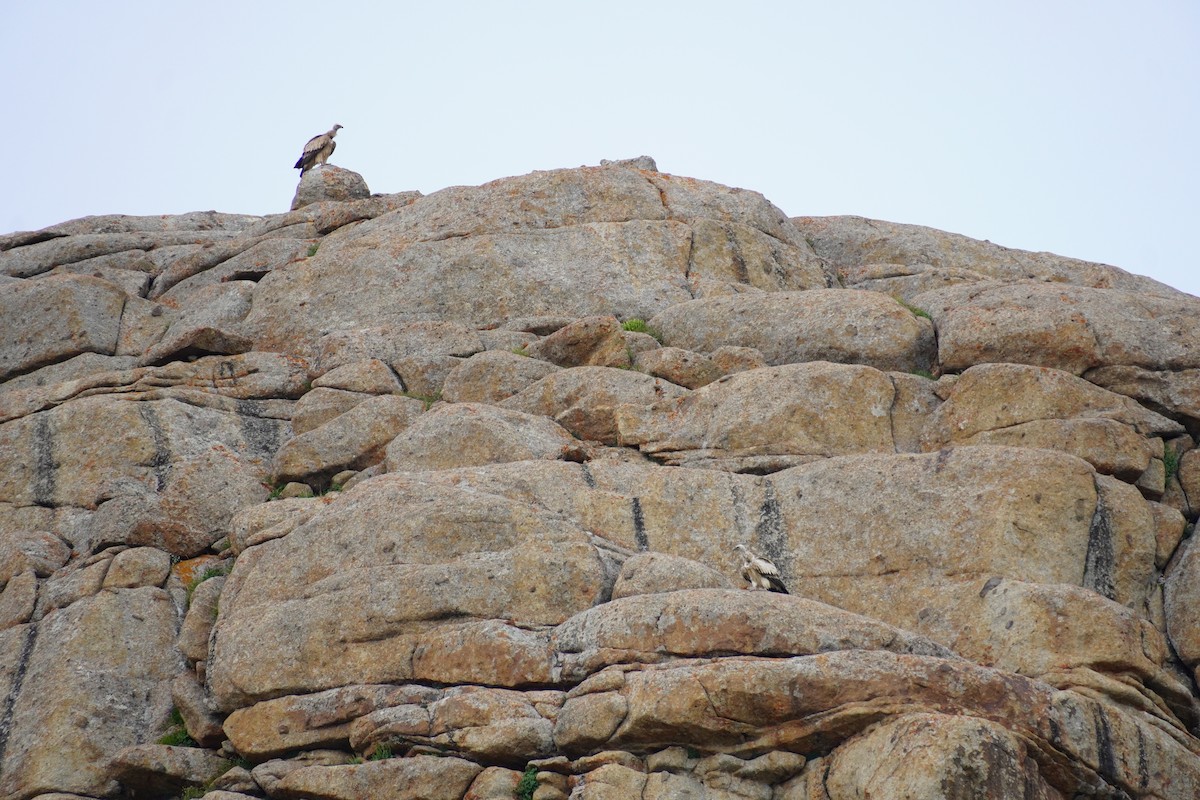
(317, 151)
(759, 572)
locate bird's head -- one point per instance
(741, 548)
(336, 128)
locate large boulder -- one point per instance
(846, 326)
(893, 254)
(64, 733)
(493, 376)
(747, 706)
(528, 582)
(162, 472)
(349, 596)
(1050, 519)
(937, 755)
(767, 419)
(1025, 406)
(1072, 328)
(55, 318)
(353, 440)
(586, 400)
(589, 241)
(326, 183)
(467, 434)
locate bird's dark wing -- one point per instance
(776, 584)
(312, 150)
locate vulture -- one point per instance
(317, 151)
(759, 572)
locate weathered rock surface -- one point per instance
(683, 367)
(649, 573)
(464, 253)
(492, 377)
(1071, 328)
(590, 342)
(355, 439)
(162, 769)
(889, 251)
(1011, 404)
(56, 318)
(846, 326)
(586, 400)
(767, 419)
(981, 500)
(65, 733)
(469, 434)
(327, 182)
(415, 778)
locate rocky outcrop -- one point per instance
(435, 496)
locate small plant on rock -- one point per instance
(923, 373)
(640, 326)
(634, 325)
(528, 784)
(193, 793)
(312, 250)
(1171, 458)
(177, 736)
(916, 312)
(211, 572)
(382, 752)
(427, 399)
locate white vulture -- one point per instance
(759, 572)
(317, 151)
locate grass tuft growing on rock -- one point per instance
(528, 784)
(177, 736)
(923, 373)
(427, 399)
(639, 326)
(312, 249)
(211, 572)
(382, 752)
(916, 312)
(1171, 458)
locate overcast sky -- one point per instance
(1068, 126)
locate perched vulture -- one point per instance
(760, 573)
(317, 151)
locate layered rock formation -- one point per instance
(435, 496)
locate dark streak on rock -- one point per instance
(162, 448)
(10, 702)
(639, 526)
(1143, 761)
(992, 583)
(739, 260)
(1099, 561)
(1106, 758)
(45, 468)
(769, 533)
(262, 434)
(588, 477)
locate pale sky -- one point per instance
(1072, 126)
